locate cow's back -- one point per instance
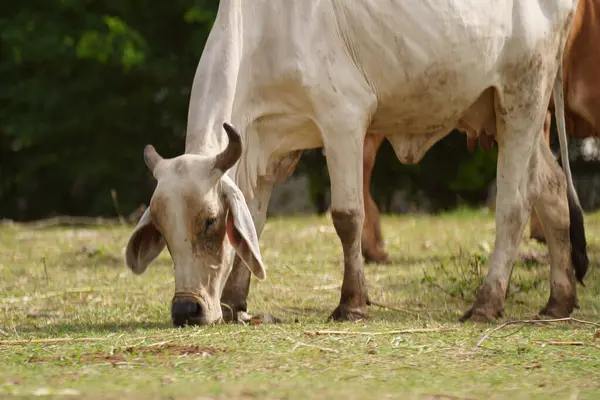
(429, 58)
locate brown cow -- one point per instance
(582, 117)
(373, 247)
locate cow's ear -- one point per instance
(144, 245)
(240, 229)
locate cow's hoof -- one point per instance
(562, 302)
(557, 310)
(489, 304)
(481, 315)
(345, 313)
(554, 312)
(257, 319)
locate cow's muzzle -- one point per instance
(186, 309)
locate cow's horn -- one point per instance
(232, 152)
(151, 157)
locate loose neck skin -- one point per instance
(213, 90)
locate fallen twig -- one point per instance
(530, 321)
(302, 344)
(399, 332)
(47, 341)
(558, 343)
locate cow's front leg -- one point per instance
(237, 287)
(353, 300)
(344, 161)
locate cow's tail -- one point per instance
(579, 255)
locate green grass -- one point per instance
(72, 283)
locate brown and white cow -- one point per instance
(581, 79)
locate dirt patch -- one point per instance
(132, 353)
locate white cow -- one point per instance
(297, 74)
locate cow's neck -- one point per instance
(214, 84)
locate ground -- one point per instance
(72, 283)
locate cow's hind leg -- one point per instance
(553, 208)
(517, 134)
(536, 230)
(373, 247)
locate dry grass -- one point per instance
(71, 283)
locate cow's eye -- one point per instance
(209, 223)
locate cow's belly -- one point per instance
(412, 127)
(431, 103)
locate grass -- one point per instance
(72, 283)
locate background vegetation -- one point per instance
(85, 84)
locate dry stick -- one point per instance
(424, 330)
(46, 341)
(302, 344)
(557, 343)
(530, 321)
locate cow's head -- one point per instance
(196, 211)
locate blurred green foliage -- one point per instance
(448, 175)
(86, 84)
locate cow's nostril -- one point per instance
(196, 311)
(184, 311)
